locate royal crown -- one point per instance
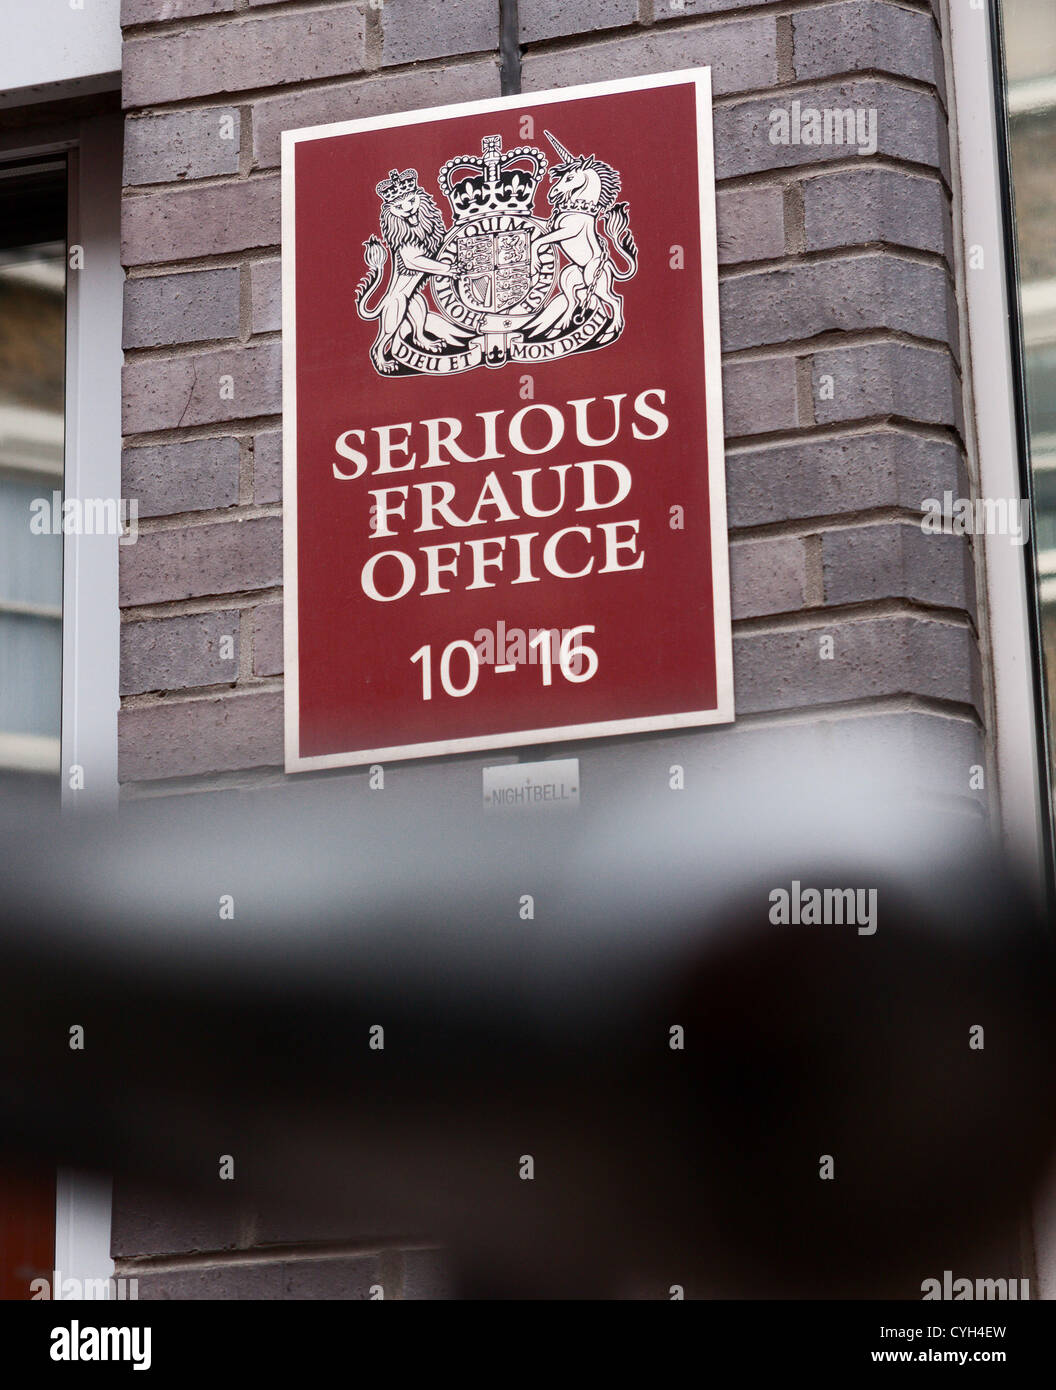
(397, 185)
(497, 185)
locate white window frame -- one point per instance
(993, 446)
(57, 48)
(90, 617)
(990, 416)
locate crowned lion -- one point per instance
(413, 231)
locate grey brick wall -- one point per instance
(842, 387)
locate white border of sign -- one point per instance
(723, 712)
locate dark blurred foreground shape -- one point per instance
(548, 1037)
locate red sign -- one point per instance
(503, 481)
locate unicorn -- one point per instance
(583, 190)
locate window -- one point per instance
(32, 405)
(60, 440)
(33, 204)
(1030, 56)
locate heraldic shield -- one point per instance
(501, 284)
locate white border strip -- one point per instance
(82, 1230)
(91, 616)
(723, 712)
(91, 642)
(992, 408)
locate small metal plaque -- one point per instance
(547, 786)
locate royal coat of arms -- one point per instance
(501, 284)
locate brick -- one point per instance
(187, 222)
(898, 561)
(368, 96)
(912, 383)
(933, 751)
(289, 1223)
(265, 287)
(867, 35)
(674, 10)
(178, 653)
(181, 738)
(687, 9)
(833, 476)
(164, 393)
(182, 145)
(233, 57)
(551, 19)
(767, 576)
(451, 26)
(880, 290)
(759, 396)
(267, 640)
(873, 658)
(910, 126)
(165, 309)
(920, 750)
(751, 224)
(198, 475)
(221, 1282)
(267, 467)
(156, 11)
(742, 55)
(869, 205)
(151, 1221)
(333, 1278)
(222, 557)
(915, 749)
(427, 1275)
